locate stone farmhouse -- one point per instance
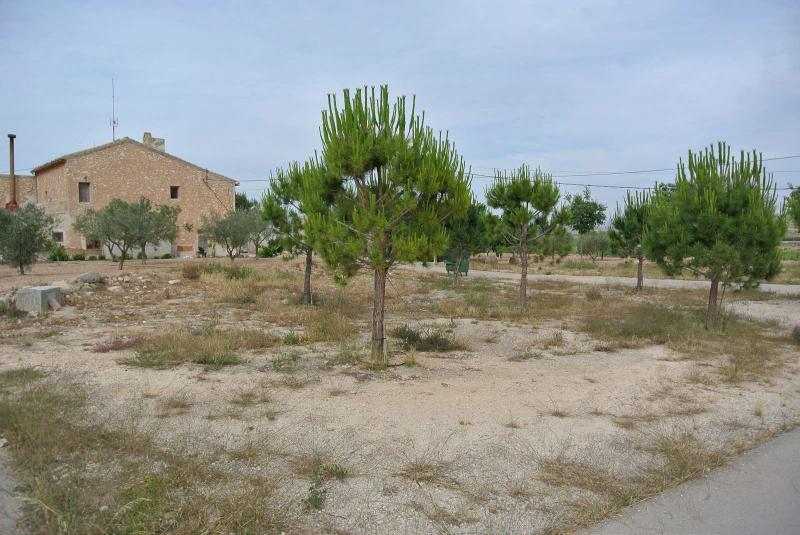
(126, 169)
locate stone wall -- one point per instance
(128, 170)
(26, 189)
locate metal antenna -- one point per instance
(114, 122)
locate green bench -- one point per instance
(450, 265)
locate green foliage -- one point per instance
(234, 230)
(529, 211)
(627, 226)
(719, 221)
(585, 213)
(125, 225)
(397, 181)
(242, 202)
(494, 239)
(559, 243)
(24, 234)
(57, 253)
(271, 249)
(283, 205)
(594, 243)
(793, 207)
(467, 234)
(79, 257)
(426, 339)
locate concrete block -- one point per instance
(37, 299)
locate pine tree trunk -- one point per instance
(377, 316)
(523, 257)
(457, 266)
(640, 275)
(711, 315)
(307, 280)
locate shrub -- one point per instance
(426, 339)
(210, 348)
(166, 256)
(796, 334)
(79, 257)
(594, 295)
(192, 271)
(92, 258)
(58, 254)
(271, 249)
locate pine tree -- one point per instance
(627, 231)
(399, 180)
(530, 212)
(467, 235)
(719, 222)
(284, 208)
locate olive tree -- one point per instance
(719, 222)
(594, 244)
(529, 206)
(398, 181)
(557, 243)
(24, 234)
(627, 231)
(234, 230)
(126, 225)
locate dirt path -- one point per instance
(782, 289)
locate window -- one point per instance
(83, 191)
(58, 237)
(173, 192)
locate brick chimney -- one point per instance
(154, 142)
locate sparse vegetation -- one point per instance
(426, 339)
(140, 487)
(211, 348)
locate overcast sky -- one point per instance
(570, 86)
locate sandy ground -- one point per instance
(483, 419)
(780, 289)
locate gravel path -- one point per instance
(782, 289)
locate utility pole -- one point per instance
(114, 122)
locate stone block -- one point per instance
(37, 299)
(90, 277)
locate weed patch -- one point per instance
(140, 488)
(426, 339)
(209, 347)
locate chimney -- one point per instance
(11, 205)
(153, 142)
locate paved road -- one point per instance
(759, 494)
(783, 289)
(9, 504)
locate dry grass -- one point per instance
(117, 344)
(678, 458)
(140, 488)
(430, 339)
(209, 347)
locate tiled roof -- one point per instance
(64, 158)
